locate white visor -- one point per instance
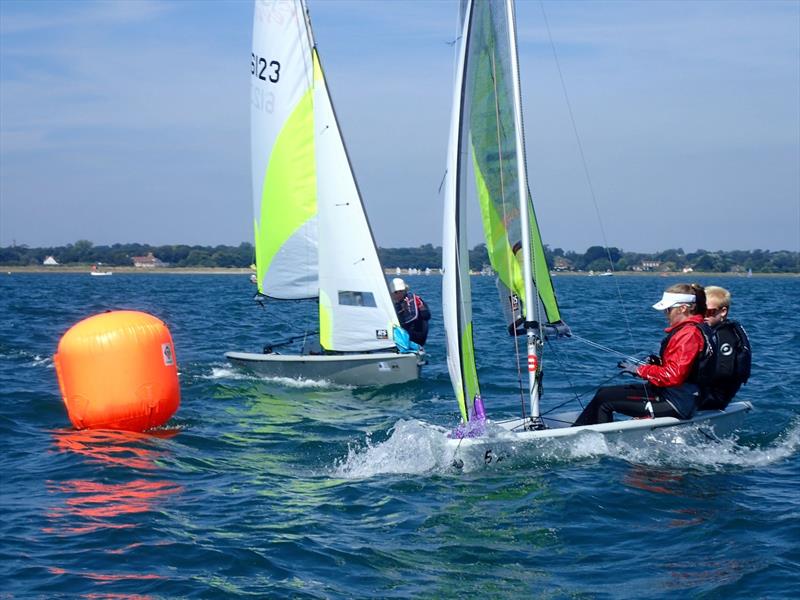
(668, 300)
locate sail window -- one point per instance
(357, 299)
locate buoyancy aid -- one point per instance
(686, 361)
(413, 315)
(733, 365)
(704, 368)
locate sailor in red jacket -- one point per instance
(671, 387)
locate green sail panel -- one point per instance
(490, 119)
(282, 151)
(288, 196)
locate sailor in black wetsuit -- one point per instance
(733, 361)
(411, 310)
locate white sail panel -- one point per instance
(282, 151)
(356, 311)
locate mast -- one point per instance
(533, 340)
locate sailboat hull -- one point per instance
(343, 369)
(705, 424)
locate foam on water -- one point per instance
(300, 383)
(415, 447)
(30, 359)
(42, 361)
(676, 449)
(228, 373)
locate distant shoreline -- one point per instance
(389, 271)
(131, 270)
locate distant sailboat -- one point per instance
(312, 236)
(97, 273)
(486, 159)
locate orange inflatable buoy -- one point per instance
(117, 370)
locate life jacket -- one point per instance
(705, 364)
(413, 317)
(407, 309)
(735, 355)
(733, 366)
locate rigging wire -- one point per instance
(587, 175)
(566, 374)
(588, 342)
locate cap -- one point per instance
(398, 285)
(670, 299)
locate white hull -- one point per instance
(374, 369)
(100, 273)
(708, 424)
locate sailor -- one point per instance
(411, 310)
(734, 357)
(671, 387)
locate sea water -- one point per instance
(301, 489)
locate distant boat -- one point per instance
(96, 273)
(606, 274)
(311, 232)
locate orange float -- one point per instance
(117, 370)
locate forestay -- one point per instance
(355, 309)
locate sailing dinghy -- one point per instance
(312, 237)
(486, 159)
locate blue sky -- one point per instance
(128, 121)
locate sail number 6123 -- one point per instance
(265, 71)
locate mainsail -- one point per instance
(486, 140)
(312, 234)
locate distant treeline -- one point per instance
(596, 258)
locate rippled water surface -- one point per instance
(286, 489)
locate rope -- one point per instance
(632, 359)
(288, 341)
(569, 381)
(588, 176)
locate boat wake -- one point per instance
(415, 447)
(229, 373)
(716, 454)
(235, 374)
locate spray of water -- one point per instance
(418, 448)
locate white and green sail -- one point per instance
(486, 159)
(283, 161)
(312, 235)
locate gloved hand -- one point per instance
(654, 359)
(628, 367)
